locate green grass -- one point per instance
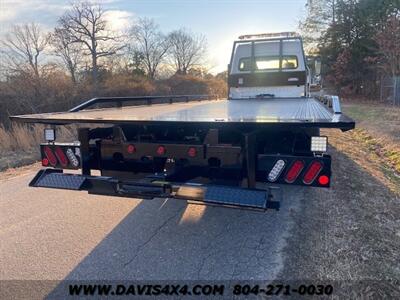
(389, 154)
(378, 128)
(374, 113)
(380, 121)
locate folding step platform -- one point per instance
(52, 178)
(235, 197)
(228, 196)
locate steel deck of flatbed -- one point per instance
(308, 112)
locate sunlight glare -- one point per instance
(193, 213)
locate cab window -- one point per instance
(268, 63)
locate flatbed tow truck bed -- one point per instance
(158, 146)
(309, 112)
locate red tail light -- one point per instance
(45, 162)
(50, 155)
(192, 152)
(131, 149)
(61, 156)
(161, 150)
(323, 180)
(312, 172)
(294, 171)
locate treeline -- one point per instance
(82, 58)
(358, 41)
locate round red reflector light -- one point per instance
(161, 150)
(323, 180)
(45, 162)
(192, 152)
(131, 149)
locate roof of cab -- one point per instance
(269, 35)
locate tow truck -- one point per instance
(232, 152)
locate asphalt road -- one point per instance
(56, 235)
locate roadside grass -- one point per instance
(388, 153)
(381, 121)
(19, 138)
(368, 154)
(375, 143)
(372, 112)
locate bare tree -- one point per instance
(319, 15)
(151, 43)
(23, 45)
(85, 23)
(187, 49)
(69, 52)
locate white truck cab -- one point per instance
(268, 65)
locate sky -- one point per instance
(220, 21)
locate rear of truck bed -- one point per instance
(210, 151)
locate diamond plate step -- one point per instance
(224, 196)
(61, 181)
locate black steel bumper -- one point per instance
(257, 199)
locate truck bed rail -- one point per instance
(332, 102)
(138, 100)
